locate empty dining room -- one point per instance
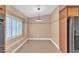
(39, 29)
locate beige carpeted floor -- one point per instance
(38, 46)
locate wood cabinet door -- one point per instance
(2, 8)
(73, 11)
(63, 13)
(63, 34)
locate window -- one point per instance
(19, 27)
(13, 27)
(8, 26)
(20, 31)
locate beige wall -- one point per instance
(48, 28)
(40, 29)
(14, 43)
(55, 25)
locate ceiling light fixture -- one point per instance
(38, 15)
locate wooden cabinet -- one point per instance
(2, 9)
(73, 11)
(63, 30)
(63, 13)
(63, 34)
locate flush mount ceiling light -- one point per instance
(38, 15)
(37, 8)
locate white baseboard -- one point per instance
(39, 38)
(34, 39)
(54, 44)
(19, 46)
(45, 39)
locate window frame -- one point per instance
(17, 20)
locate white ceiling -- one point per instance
(31, 11)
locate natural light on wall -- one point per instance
(13, 27)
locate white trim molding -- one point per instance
(34, 39)
(45, 39)
(54, 43)
(16, 49)
(39, 38)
